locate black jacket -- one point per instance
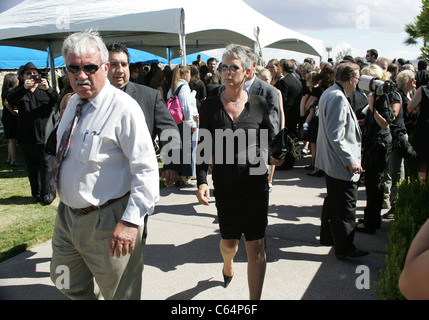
(34, 109)
(158, 117)
(291, 89)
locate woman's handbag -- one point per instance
(174, 106)
(279, 146)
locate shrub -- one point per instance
(411, 212)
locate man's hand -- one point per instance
(123, 239)
(355, 168)
(44, 84)
(203, 194)
(169, 177)
(29, 83)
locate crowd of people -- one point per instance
(105, 167)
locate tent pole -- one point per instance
(182, 37)
(52, 60)
(183, 49)
(169, 55)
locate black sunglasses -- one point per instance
(88, 68)
(232, 68)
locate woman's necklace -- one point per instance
(236, 103)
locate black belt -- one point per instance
(92, 208)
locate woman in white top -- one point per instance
(188, 128)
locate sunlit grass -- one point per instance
(23, 223)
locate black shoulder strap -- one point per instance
(178, 90)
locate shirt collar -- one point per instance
(99, 99)
(248, 84)
(341, 87)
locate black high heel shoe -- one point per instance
(226, 279)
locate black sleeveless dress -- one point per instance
(421, 129)
(241, 194)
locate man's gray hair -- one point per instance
(346, 70)
(243, 53)
(78, 43)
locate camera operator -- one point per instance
(395, 168)
(35, 100)
(377, 149)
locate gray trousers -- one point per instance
(80, 248)
(393, 174)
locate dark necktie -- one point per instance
(63, 148)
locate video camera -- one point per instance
(376, 86)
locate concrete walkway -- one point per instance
(183, 262)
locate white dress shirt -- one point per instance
(111, 153)
(248, 84)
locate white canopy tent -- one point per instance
(167, 28)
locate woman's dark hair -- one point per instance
(327, 76)
(9, 82)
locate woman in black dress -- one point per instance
(241, 194)
(421, 130)
(10, 119)
(326, 79)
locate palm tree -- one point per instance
(419, 29)
(411, 29)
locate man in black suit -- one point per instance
(158, 117)
(291, 89)
(261, 88)
(35, 99)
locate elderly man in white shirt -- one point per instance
(108, 182)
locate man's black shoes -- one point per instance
(356, 253)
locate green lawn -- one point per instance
(23, 223)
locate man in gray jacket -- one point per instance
(339, 155)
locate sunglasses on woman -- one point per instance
(88, 68)
(232, 68)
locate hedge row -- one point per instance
(411, 212)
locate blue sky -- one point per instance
(346, 24)
(7, 4)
